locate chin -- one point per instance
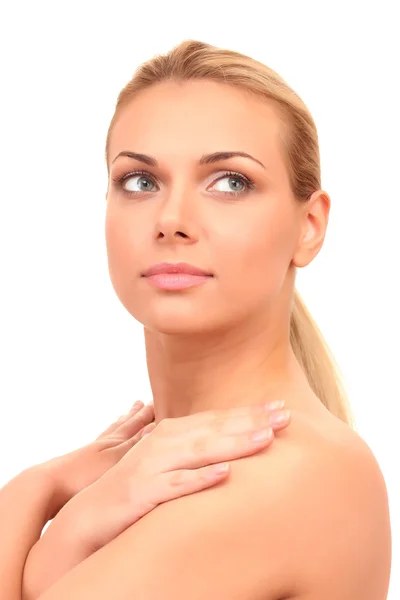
(179, 322)
(178, 326)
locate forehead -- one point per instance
(193, 117)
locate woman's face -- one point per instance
(245, 234)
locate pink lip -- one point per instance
(176, 281)
(175, 268)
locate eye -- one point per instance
(245, 183)
(234, 179)
(143, 185)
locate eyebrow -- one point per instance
(206, 159)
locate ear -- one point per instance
(314, 221)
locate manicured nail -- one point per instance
(275, 405)
(138, 404)
(262, 436)
(280, 417)
(220, 469)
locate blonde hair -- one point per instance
(193, 59)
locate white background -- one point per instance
(71, 357)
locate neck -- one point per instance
(240, 367)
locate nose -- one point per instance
(175, 220)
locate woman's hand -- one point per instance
(176, 458)
(71, 473)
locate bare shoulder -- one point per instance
(331, 504)
(304, 519)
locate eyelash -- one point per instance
(249, 183)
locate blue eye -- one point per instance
(233, 178)
(144, 175)
(134, 175)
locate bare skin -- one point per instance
(129, 470)
(224, 343)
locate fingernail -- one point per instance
(220, 468)
(281, 417)
(275, 405)
(138, 404)
(262, 436)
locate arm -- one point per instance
(25, 504)
(298, 522)
(222, 542)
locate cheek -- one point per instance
(257, 255)
(121, 253)
(124, 261)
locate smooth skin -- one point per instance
(129, 470)
(226, 342)
(308, 518)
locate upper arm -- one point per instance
(285, 524)
(214, 544)
(348, 530)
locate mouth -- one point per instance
(175, 269)
(176, 281)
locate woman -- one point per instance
(213, 162)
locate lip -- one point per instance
(176, 281)
(166, 268)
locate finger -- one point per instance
(226, 414)
(209, 450)
(146, 430)
(137, 406)
(136, 422)
(183, 482)
(124, 448)
(194, 450)
(140, 435)
(240, 423)
(280, 419)
(223, 438)
(220, 423)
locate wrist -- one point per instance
(75, 523)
